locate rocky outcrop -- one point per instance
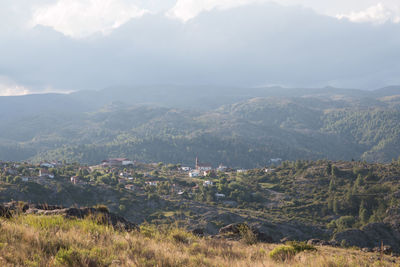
(99, 214)
(371, 236)
(236, 230)
(5, 212)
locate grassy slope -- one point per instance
(31, 240)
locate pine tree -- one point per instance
(335, 205)
(363, 213)
(332, 186)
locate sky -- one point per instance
(70, 45)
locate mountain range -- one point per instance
(240, 127)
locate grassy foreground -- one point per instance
(30, 240)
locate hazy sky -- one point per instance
(67, 45)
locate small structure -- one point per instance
(130, 187)
(241, 171)
(25, 179)
(208, 183)
(75, 180)
(194, 173)
(269, 170)
(46, 165)
(116, 162)
(203, 166)
(45, 173)
(185, 169)
(122, 181)
(205, 173)
(152, 183)
(218, 195)
(221, 168)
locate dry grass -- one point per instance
(55, 241)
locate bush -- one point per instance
(288, 251)
(247, 235)
(181, 236)
(282, 253)
(300, 246)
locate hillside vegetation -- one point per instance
(31, 240)
(239, 127)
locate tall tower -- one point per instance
(197, 166)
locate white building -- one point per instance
(45, 173)
(185, 169)
(218, 195)
(241, 171)
(221, 168)
(46, 165)
(194, 174)
(152, 183)
(208, 183)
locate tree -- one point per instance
(363, 213)
(335, 171)
(332, 186)
(328, 169)
(335, 205)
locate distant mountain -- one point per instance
(237, 126)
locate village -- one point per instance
(125, 174)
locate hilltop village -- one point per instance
(123, 172)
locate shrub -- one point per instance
(247, 235)
(282, 253)
(102, 208)
(300, 246)
(288, 251)
(181, 236)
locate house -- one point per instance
(219, 195)
(122, 181)
(205, 173)
(25, 179)
(241, 171)
(185, 169)
(11, 171)
(208, 183)
(116, 162)
(152, 183)
(221, 168)
(75, 179)
(130, 187)
(45, 173)
(124, 174)
(195, 173)
(46, 165)
(269, 170)
(203, 166)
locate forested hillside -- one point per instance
(238, 127)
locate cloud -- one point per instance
(188, 9)
(81, 18)
(9, 87)
(378, 14)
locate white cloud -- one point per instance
(81, 18)
(376, 14)
(8, 88)
(188, 9)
